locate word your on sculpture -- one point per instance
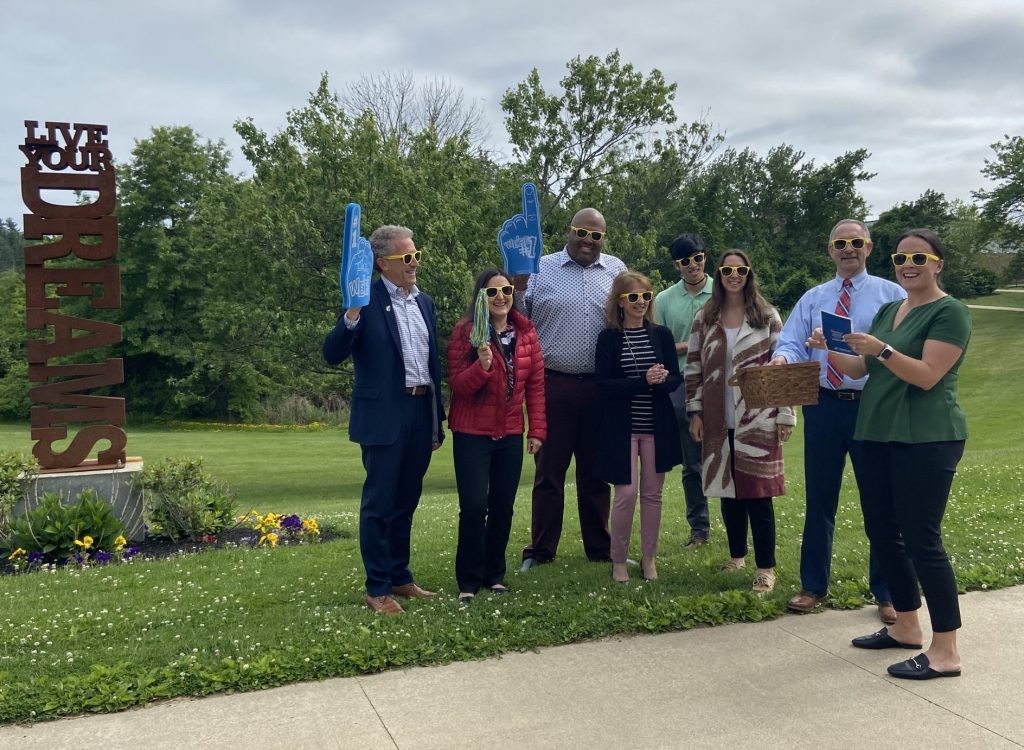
(74, 159)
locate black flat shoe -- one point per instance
(499, 589)
(918, 669)
(880, 640)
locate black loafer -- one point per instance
(918, 669)
(880, 640)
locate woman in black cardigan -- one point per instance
(637, 368)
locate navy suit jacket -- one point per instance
(376, 351)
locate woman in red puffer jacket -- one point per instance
(489, 385)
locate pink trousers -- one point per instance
(623, 505)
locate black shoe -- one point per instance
(918, 669)
(465, 599)
(499, 588)
(880, 640)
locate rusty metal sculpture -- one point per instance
(76, 158)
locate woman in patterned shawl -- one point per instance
(742, 447)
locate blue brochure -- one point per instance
(356, 262)
(519, 239)
(834, 327)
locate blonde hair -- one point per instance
(622, 284)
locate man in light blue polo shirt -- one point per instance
(829, 425)
(674, 308)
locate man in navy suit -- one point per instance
(396, 413)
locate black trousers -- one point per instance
(573, 407)
(760, 512)
(904, 494)
(487, 476)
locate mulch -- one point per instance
(155, 548)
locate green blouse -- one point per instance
(893, 410)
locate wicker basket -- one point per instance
(778, 385)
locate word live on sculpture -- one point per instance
(76, 158)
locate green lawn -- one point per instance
(107, 638)
(999, 299)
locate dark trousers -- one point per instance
(905, 495)
(574, 420)
(487, 476)
(693, 485)
(828, 439)
(760, 512)
(391, 492)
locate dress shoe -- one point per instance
(696, 540)
(732, 565)
(918, 669)
(881, 639)
(499, 588)
(412, 591)
(384, 605)
(650, 569)
(805, 602)
(528, 563)
(886, 613)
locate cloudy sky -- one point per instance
(926, 86)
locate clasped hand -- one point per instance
(862, 343)
(656, 374)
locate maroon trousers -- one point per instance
(574, 406)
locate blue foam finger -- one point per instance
(519, 239)
(356, 262)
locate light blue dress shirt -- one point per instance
(868, 293)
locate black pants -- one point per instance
(487, 476)
(573, 406)
(760, 512)
(904, 496)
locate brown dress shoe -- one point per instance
(805, 602)
(887, 613)
(384, 605)
(412, 591)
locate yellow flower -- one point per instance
(17, 553)
(84, 543)
(270, 539)
(119, 543)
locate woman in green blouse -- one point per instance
(913, 431)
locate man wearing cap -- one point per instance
(828, 425)
(396, 410)
(565, 301)
(674, 308)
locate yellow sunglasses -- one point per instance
(696, 258)
(740, 271)
(857, 243)
(492, 291)
(406, 257)
(594, 233)
(918, 259)
(637, 296)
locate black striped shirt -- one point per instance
(637, 359)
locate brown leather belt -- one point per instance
(417, 390)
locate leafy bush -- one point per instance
(16, 473)
(964, 283)
(183, 501)
(61, 532)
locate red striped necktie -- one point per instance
(832, 372)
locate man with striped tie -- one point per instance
(828, 425)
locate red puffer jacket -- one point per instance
(478, 404)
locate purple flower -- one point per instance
(292, 522)
(129, 553)
(103, 557)
(247, 539)
(35, 557)
(79, 559)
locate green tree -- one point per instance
(1004, 204)
(12, 247)
(14, 385)
(564, 140)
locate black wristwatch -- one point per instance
(885, 353)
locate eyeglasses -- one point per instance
(637, 296)
(918, 259)
(740, 271)
(406, 257)
(581, 233)
(696, 259)
(492, 291)
(857, 243)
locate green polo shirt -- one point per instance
(675, 307)
(893, 410)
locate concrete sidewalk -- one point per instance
(791, 683)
